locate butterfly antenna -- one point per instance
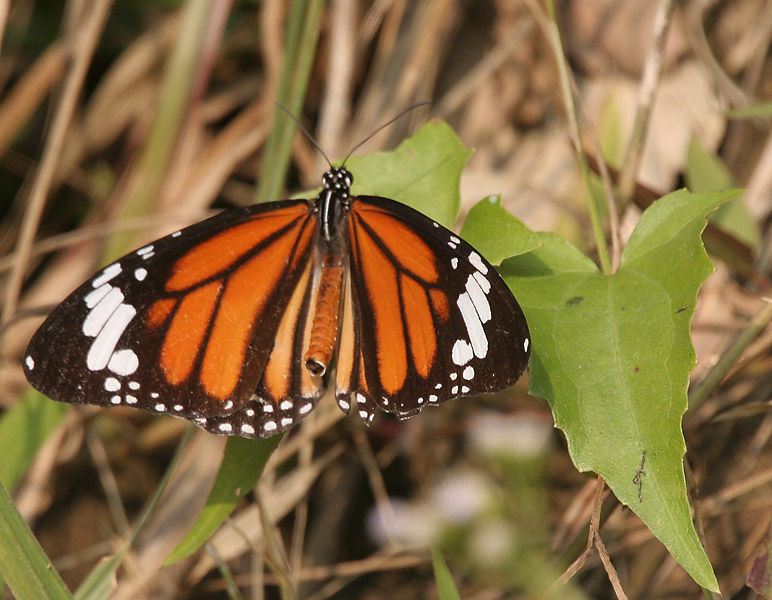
(305, 132)
(384, 126)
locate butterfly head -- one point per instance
(338, 179)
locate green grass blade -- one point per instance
(23, 429)
(446, 587)
(242, 465)
(23, 565)
(302, 32)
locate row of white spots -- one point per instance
(146, 252)
(268, 427)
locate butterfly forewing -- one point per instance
(184, 325)
(441, 321)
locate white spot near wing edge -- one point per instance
(477, 263)
(107, 274)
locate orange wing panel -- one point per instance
(218, 253)
(420, 326)
(346, 345)
(440, 304)
(410, 250)
(243, 301)
(277, 375)
(383, 293)
(186, 332)
(160, 311)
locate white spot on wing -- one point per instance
(103, 346)
(177, 234)
(112, 384)
(477, 262)
(454, 390)
(145, 250)
(270, 426)
(96, 295)
(286, 405)
(115, 400)
(124, 362)
(525, 345)
(178, 407)
(483, 281)
(473, 326)
(140, 274)
(306, 408)
(454, 239)
(478, 299)
(247, 428)
(462, 353)
(286, 421)
(226, 427)
(344, 405)
(468, 373)
(30, 362)
(107, 274)
(160, 407)
(454, 262)
(97, 317)
(133, 385)
(131, 399)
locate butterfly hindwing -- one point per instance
(438, 320)
(286, 394)
(184, 325)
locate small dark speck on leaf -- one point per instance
(681, 309)
(636, 369)
(574, 301)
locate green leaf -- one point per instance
(446, 588)
(23, 564)
(612, 355)
(496, 232)
(706, 173)
(423, 172)
(23, 429)
(242, 465)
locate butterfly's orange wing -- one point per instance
(190, 324)
(426, 318)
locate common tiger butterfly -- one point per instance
(236, 321)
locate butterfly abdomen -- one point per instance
(324, 330)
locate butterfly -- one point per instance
(240, 322)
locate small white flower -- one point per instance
(413, 524)
(492, 544)
(461, 496)
(517, 436)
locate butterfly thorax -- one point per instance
(332, 202)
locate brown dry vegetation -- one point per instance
(80, 86)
